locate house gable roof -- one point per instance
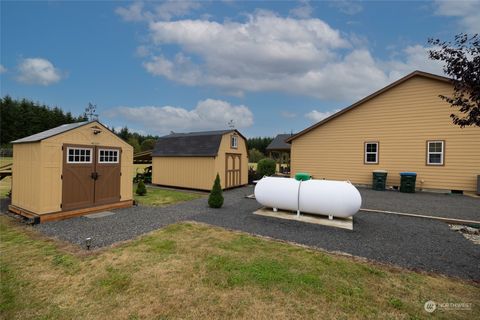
(373, 95)
(279, 143)
(192, 144)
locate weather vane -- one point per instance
(231, 124)
(90, 112)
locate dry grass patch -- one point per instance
(194, 271)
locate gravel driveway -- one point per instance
(409, 242)
(426, 203)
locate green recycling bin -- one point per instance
(302, 176)
(407, 182)
(379, 180)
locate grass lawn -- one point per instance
(161, 197)
(193, 271)
(5, 183)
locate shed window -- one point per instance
(79, 155)
(107, 156)
(234, 142)
(435, 152)
(371, 152)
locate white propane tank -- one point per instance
(321, 197)
(278, 193)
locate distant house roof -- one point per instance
(373, 95)
(192, 144)
(279, 143)
(52, 132)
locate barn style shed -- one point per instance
(70, 170)
(192, 160)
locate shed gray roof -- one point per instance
(50, 133)
(192, 144)
(279, 143)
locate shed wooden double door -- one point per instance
(91, 176)
(233, 170)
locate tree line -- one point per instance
(22, 118)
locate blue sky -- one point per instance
(272, 67)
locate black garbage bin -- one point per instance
(407, 181)
(379, 180)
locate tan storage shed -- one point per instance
(70, 170)
(192, 160)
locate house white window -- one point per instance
(371, 152)
(435, 152)
(108, 155)
(234, 142)
(79, 155)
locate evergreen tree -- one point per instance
(215, 199)
(141, 189)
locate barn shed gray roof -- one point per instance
(279, 143)
(50, 133)
(192, 144)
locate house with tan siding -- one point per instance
(405, 126)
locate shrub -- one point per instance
(141, 190)
(254, 155)
(266, 167)
(215, 199)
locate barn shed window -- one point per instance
(79, 155)
(371, 152)
(435, 152)
(108, 156)
(234, 142)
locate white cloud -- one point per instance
(209, 114)
(303, 11)
(267, 52)
(2, 69)
(142, 51)
(347, 6)
(416, 58)
(167, 10)
(316, 116)
(175, 8)
(288, 114)
(132, 13)
(38, 71)
(467, 11)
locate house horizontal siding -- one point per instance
(402, 120)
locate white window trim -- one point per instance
(75, 148)
(369, 152)
(441, 153)
(233, 139)
(107, 149)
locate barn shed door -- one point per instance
(91, 176)
(77, 183)
(233, 171)
(107, 183)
